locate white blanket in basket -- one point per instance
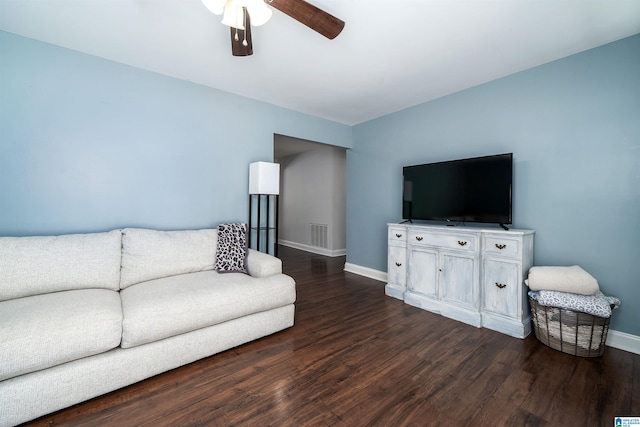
(572, 279)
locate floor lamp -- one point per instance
(264, 188)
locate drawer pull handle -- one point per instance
(399, 264)
(398, 235)
(500, 246)
(501, 285)
(462, 243)
(419, 238)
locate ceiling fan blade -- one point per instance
(311, 16)
(241, 37)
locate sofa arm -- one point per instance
(260, 264)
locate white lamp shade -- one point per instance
(215, 6)
(264, 178)
(259, 12)
(233, 15)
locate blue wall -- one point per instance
(574, 128)
(88, 144)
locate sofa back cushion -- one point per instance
(152, 254)
(43, 264)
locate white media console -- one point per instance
(474, 275)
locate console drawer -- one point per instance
(498, 245)
(397, 236)
(459, 241)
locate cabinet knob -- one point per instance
(398, 235)
(419, 238)
(462, 243)
(500, 246)
(399, 264)
(501, 285)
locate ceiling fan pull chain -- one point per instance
(244, 22)
(236, 37)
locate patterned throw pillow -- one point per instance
(231, 254)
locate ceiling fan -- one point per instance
(240, 14)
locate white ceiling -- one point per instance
(391, 55)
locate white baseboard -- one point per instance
(623, 341)
(313, 249)
(366, 272)
(615, 339)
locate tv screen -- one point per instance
(466, 190)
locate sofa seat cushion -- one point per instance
(152, 254)
(174, 305)
(47, 330)
(41, 264)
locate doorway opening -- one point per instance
(312, 203)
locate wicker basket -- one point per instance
(571, 332)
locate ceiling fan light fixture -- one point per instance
(233, 15)
(239, 14)
(258, 11)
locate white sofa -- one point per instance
(85, 314)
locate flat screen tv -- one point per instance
(466, 190)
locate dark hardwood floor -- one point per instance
(358, 358)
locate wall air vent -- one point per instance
(319, 235)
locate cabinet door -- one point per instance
(459, 278)
(397, 266)
(501, 283)
(423, 272)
